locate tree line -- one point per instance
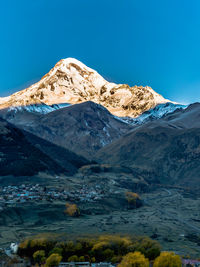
(123, 250)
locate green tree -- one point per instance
(53, 260)
(168, 259)
(39, 257)
(135, 259)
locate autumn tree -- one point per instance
(135, 259)
(133, 199)
(29, 246)
(53, 260)
(168, 259)
(72, 210)
(116, 243)
(110, 248)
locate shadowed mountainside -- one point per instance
(169, 147)
(23, 154)
(83, 128)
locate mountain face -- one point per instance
(75, 108)
(83, 128)
(167, 150)
(70, 81)
(158, 112)
(23, 154)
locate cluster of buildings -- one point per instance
(190, 263)
(28, 192)
(88, 194)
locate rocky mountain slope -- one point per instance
(83, 128)
(165, 150)
(23, 154)
(70, 81)
(158, 112)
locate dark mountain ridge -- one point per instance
(23, 154)
(83, 128)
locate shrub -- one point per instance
(168, 259)
(135, 259)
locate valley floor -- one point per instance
(168, 215)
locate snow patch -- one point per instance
(38, 108)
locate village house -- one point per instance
(12, 195)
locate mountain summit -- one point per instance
(70, 81)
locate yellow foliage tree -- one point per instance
(53, 260)
(135, 259)
(72, 210)
(168, 259)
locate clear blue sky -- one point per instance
(143, 42)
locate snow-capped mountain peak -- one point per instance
(70, 81)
